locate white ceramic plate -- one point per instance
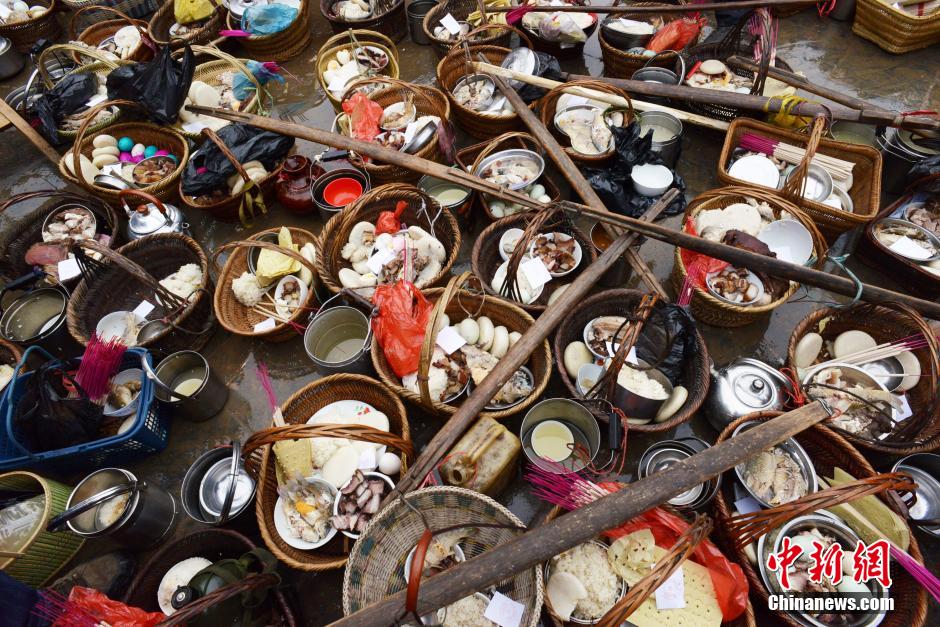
(131, 374)
(756, 169)
(283, 529)
(789, 239)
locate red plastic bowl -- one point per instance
(342, 191)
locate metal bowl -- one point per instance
(750, 277)
(889, 371)
(487, 82)
(339, 494)
(583, 111)
(925, 469)
(852, 375)
(420, 138)
(641, 409)
(621, 40)
(576, 417)
(514, 154)
(623, 585)
(796, 453)
(820, 176)
(113, 181)
(254, 253)
(73, 208)
(928, 235)
(521, 60)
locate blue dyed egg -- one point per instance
(125, 144)
(150, 151)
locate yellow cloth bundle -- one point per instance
(272, 265)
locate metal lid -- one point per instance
(149, 222)
(521, 60)
(755, 383)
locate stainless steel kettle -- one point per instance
(742, 387)
(151, 217)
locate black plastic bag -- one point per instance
(548, 68)
(68, 96)
(668, 341)
(208, 169)
(924, 168)
(613, 183)
(159, 86)
(46, 419)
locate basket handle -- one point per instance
(550, 100)
(743, 529)
(793, 187)
(535, 222)
(87, 51)
(498, 142)
(347, 37)
(484, 27)
(190, 611)
(394, 83)
(80, 138)
(682, 550)
(214, 51)
(73, 23)
(50, 193)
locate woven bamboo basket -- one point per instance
(454, 67)
(260, 461)
(142, 132)
(709, 308)
(507, 141)
(241, 206)
(205, 33)
(351, 40)
(548, 109)
(894, 30)
(211, 544)
(391, 23)
(485, 257)
(622, 64)
(427, 100)
(44, 553)
(98, 31)
(459, 303)
(282, 46)
(487, 34)
(554, 48)
(376, 563)
(420, 211)
(828, 450)
(634, 597)
(241, 320)
(695, 377)
(130, 275)
(865, 192)
(10, 354)
(25, 231)
(211, 72)
(23, 35)
(888, 322)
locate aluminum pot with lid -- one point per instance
(742, 387)
(217, 488)
(37, 317)
(151, 217)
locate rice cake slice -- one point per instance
(630, 555)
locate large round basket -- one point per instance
(18, 237)
(241, 320)
(43, 553)
(888, 322)
(281, 46)
(376, 563)
(707, 307)
(555, 48)
(45, 26)
(486, 257)
(142, 132)
(459, 304)
(131, 274)
(238, 207)
(548, 109)
(695, 377)
(260, 461)
(421, 211)
(206, 33)
(392, 22)
(99, 30)
(454, 67)
(487, 34)
(350, 41)
(211, 544)
(622, 64)
(827, 450)
(427, 100)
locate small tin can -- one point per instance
(665, 454)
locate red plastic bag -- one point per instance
(697, 265)
(390, 221)
(90, 602)
(676, 35)
(728, 579)
(364, 116)
(400, 324)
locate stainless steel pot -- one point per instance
(207, 399)
(339, 339)
(742, 387)
(216, 488)
(112, 502)
(36, 318)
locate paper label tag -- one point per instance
(671, 594)
(194, 127)
(96, 99)
(909, 248)
(265, 325)
(535, 272)
(68, 269)
(450, 23)
(115, 168)
(449, 340)
(380, 259)
(143, 309)
(905, 411)
(747, 505)
(504, 611)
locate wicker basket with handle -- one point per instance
(206, 33)
(260, 460)
(420, 211)
(390, 20)
(98, 31)
(350, 41)
(622, 64)
(827, 450)
(709, 308)
(241, 320)
(23, 35)
(888, 322)
(487, 34)
(457, 304)
(281, 46)
(894, 29)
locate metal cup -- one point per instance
(326, 327)
(208, 399)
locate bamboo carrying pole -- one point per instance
(37, 140)
(675, 8)
(538, 545)
(737, 256)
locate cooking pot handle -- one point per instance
(59, 521)
(26, 279)
(124, 193)
(681, 62)
(233, 473)
(152, 375)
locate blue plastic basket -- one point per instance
(149, 434)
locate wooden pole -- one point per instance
(672, 8)
(31, 134)
(737, 256)
(577, 181)
(534, 547)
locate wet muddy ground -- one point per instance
(825, 51)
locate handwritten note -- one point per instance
(68, 269)
(535, 272)
(265, 325)
(671, 594)
(504, 611)
(379, 260)
(449, 340)
(143, 309)
(450, 23)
